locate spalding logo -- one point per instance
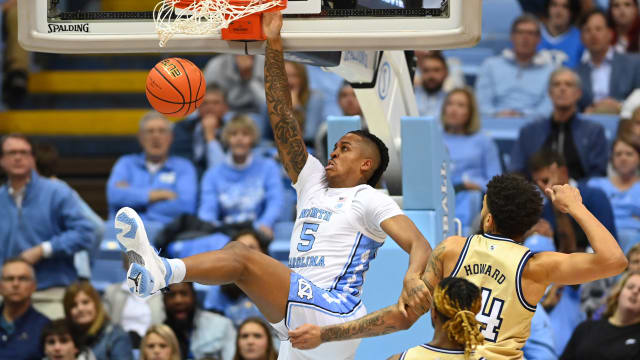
(171, 68)
(54, 28)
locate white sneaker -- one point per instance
(148, 272)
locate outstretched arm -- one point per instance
(286, 129)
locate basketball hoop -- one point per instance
(235, 19)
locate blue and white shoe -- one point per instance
(148, 272)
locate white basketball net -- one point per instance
(204, 17)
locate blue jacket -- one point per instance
(111, 343)
(23, 343)
(231, 195)
(50, 212)
(625, 77)
(588, 138)
(176, 174)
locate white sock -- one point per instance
(178, 269)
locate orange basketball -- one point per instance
(175, 87)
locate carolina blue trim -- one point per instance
(441, 350)
(291, 304)
(352, 277)
(521, 266)
(496, 237)
(463, 254)
(168, 270)
(346, 265)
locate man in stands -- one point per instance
(41, 222)
(20, 324)
(514, 84)
(159, 186)
(430, 94)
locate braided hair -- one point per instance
(457, 301)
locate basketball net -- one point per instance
(211, 17)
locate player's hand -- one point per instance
(565, 198)
(415, 299)
(306, 337)
(272, 24)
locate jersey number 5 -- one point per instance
(307, 236)
(490, 317)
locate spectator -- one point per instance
(91, 326)
(617, 335)
(582, 143)
(608, 77)
(197, 137)
(308, 105)
(229, 299)
(328, 84)
(20, 324)
(200, 333)
(624, 16)
(430, 93)
(58, 343)
(160, 187)
(548, 168)
(538, 7)
(160, 343)
(254, 341)
(541, 343)
(474, 155)
(623, 190)
(559, 35)
(242, 78)
(41, 222)
(246, 187)
(514, 83)
(135, 315)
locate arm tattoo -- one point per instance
(434, 266)
(286, 130)
(373, 324)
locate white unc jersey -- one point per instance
(337, 230)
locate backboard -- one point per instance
(309, 26)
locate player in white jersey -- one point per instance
(341, 222)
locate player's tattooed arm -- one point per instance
(286, 129)
(381, 322)
(433, 274)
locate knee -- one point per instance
(240, 253)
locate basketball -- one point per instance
(175, 87)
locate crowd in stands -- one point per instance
(215, 177)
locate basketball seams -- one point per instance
(169, 71)
(172, 85)
(199, 83)
(172, 102)
(184, 71)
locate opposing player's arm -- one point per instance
(286, 130)
(414, 292)
(577, 268)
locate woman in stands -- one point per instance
(617, 334)
(91, 326)
(159, 343)
(246, 188)
(623, 190)
(474, 155)
(253, 341)
(456, 331)
(624, 16)
(308, 105)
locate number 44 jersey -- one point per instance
(337, 230)
(495, 264)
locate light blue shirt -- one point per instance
(474, 158)
(600, 75)
(429, 104)
(504, 84)
(625, 204)
(565, 49)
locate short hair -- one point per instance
(240, 122)
(165, 332)
(473, 124)
(68, 302)
(545, 158)
(216, 88)
(59, 327)
(272, 353)
(525, 18)
(152, 115)
(457, 301)
(514, 203)
(46, 159)
(614, 295)
(382, 150)
(262, 242)
(15, 136)
(436, 55)
(635, 249)
(594, 12)
(562, 70)
(574, 7)
(19, 260)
